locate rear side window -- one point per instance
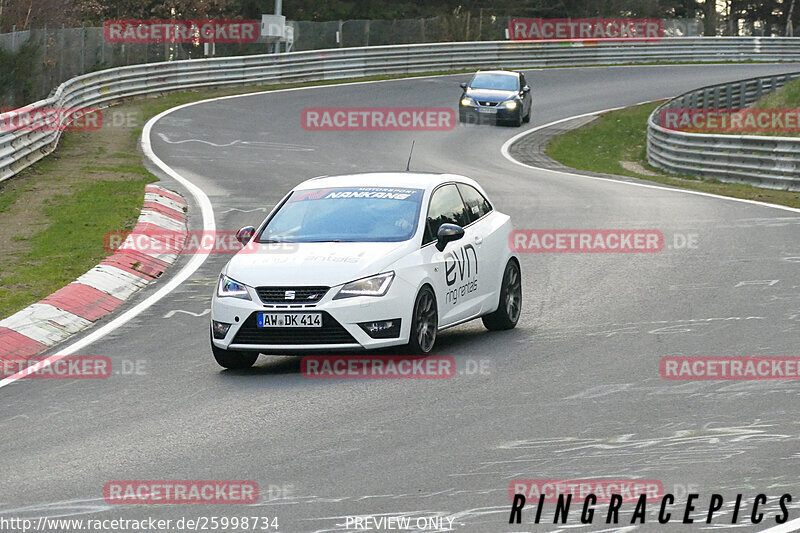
(446, 207)
(477, 204)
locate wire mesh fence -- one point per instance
(33, 62)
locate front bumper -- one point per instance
(479, 113)
(340, 322)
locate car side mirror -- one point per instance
(526, 89)
(448, 233)
(464, 86)
(245, 234)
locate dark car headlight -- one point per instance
(227, 287)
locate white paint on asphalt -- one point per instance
(172, 313)
(504, 150)
(288, 147)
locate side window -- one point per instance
(477, 204)
(446, 207)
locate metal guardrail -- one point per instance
(769, 162)
(22, 146)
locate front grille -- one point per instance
(283, 295)
(488, 104)
(331, 332)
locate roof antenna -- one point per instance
(409, 156)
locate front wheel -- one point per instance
(233, 360)
(510, 306)
(424, 322)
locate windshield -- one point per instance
(497, 82)
(348, 214)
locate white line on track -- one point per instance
(793, 525)
(209, 224)
(194, 263)
(507, 145)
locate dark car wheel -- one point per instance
(527, 117)
(232, 359)
(424, 322)
(510, 305)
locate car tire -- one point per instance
(510, 306)
(527, 117)
(232, 359)
(424, 322)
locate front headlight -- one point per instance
(510, 104)
(231, 288)
(371, 286)
(467, 101)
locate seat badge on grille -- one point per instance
(288, 295)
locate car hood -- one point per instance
(490, 95)
(317, 263)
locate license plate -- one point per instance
(289, 320)
(490, 110)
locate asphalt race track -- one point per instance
(574, 392)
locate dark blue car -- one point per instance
(501, 96)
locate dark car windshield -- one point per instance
(497, 82)
(348, 214)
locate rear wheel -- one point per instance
(424, 322)
(233, 359)
(510, 305)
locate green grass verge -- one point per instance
(72, 241)
(53, 215)
(617, 136)
(786, 96)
